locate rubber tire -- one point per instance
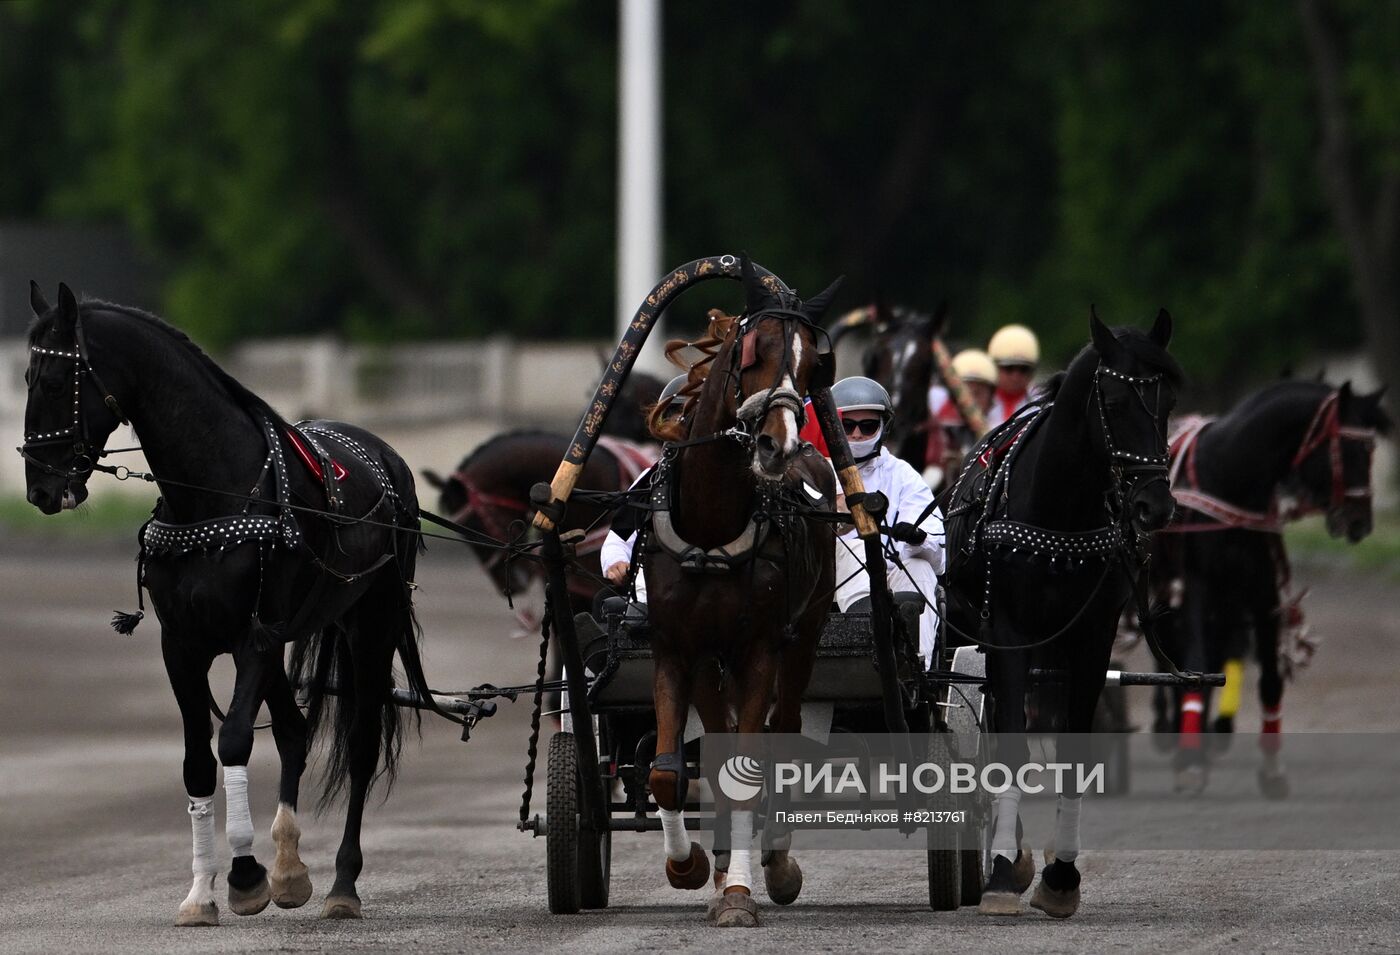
(973, 878)
(944, 862)
(595, 870)
(561, 849)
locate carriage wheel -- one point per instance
(973, 866)
(944, 860)
(595, 850)
(562, 836)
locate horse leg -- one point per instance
(290, 881)
(371, 655)
(1196, 605)
(687, 866)
(1272, 777)
(706, 695)
(1012, 867)
(1057, 895)
(753, 683)
(248, 890)
(189, 679)
(782, 876)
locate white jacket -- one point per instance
(908, 495)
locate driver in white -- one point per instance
(866, 411)
(616, 555)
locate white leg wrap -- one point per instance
(1067, 828)
(202, 824)
(673, 830)
(239, 826)
(740, 837)
(1004, 837)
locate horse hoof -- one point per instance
(341, 907)
(195, 916)
(249, 901)
(1023, 872)
(737, 910)
(693, 873)
(291, 889)
(1191, 780)
(999, 903)
(1057, 905)
(783, 879)
(1273, 784)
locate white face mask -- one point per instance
(864, 449)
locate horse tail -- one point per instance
(324, 663)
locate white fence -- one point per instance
(435, 401)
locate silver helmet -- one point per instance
(862, 394)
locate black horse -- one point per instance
(1292, 448)
(899, 356)
(234, 563)
(1046, 538)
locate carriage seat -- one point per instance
(901, 598)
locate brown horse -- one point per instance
(738, 588)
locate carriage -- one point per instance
(868, 676)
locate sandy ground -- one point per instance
(95, 840)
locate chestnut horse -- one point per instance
(738, 588)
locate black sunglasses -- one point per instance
(864, 426)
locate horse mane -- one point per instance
(1300, 388)
(242, 395)
(721, 327)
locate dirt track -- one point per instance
(95, 839)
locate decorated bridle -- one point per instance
(1326, 429)
(752, 409)
(1137, 469)
(76, 434)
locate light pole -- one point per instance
(639, 236)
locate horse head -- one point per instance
(70, 412)
(1333, 465)
(1135, 388)
(900, 357)
(774, 351)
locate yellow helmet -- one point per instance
(1014, 345)
(973, 364)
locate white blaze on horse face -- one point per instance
(790, 419)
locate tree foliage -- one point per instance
(390, 168)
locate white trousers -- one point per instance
(850, 563)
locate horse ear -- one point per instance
(939, 323)
(37, 302)
(434, 479)
(1103, 338)
(67, 308)
(815, 307)
(1162, 328)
